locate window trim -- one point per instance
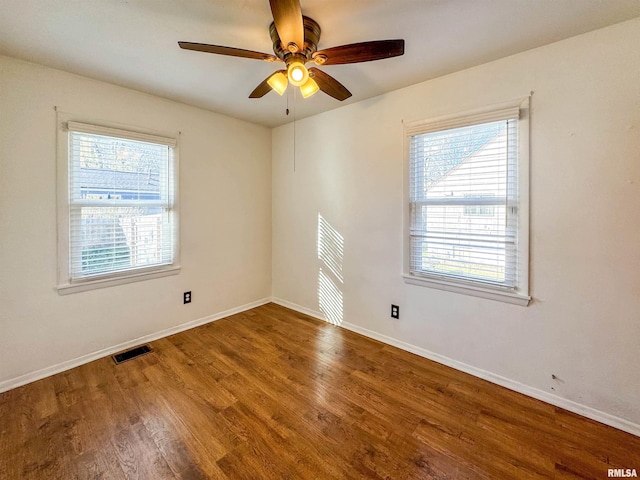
(64, 283)
(519, 295)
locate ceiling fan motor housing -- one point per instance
(305, 53)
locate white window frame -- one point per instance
(66, 284)
(520, 294)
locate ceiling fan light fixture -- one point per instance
(295, 40)
(278, 82)
(309, 88)
(297, 73)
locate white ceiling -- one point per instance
(133, 43)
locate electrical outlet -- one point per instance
(395, 311)
(187, 297)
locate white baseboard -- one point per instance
(69, 364)
(585, 411)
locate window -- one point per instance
(485, 210)
(118, 208)
(468, 204)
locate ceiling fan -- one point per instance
(295, 42)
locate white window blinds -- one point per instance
(121, 201)
(463, 183)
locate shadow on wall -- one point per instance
(330, 279)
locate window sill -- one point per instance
(84, 285)
(473, 290)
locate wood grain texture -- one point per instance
(362, 52)
(271, 393)
(329, 85)
(230, 51)
(287, 16)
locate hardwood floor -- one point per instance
(271, 393)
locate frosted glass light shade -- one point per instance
(278, 82)
(297, 73)
(309, 88)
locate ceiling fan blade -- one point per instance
(361, 52)
(329, 85)
(264, 88)
(287, 16)
(233, 52)
(261, 90)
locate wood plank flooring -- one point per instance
(271, 393)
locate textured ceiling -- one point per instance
(133, 43)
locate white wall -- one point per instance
(225, 194)
(583, 324)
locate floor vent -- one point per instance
(131, 354)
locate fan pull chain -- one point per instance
(295, 95)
